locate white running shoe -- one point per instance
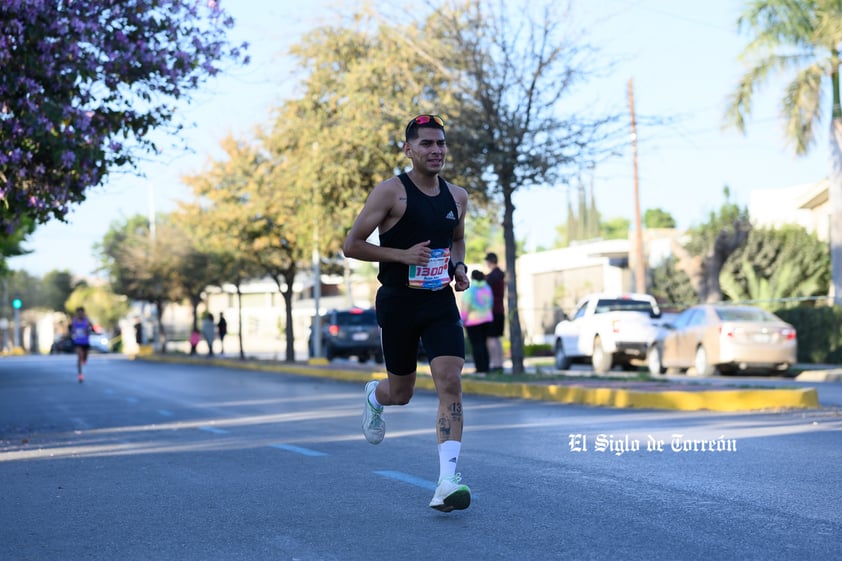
(374, 427)
(451, 495)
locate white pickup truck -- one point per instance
(607, 330)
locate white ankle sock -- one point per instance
(372, 399)
(448, 456)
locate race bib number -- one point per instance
(434, 275)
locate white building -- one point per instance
(550, 283)
(804, 205)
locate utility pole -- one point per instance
(640, 269)
(316, 333)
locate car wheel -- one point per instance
(330, 354)
(562, 361)
(362, 357)
(701, 364)
(653, 360)
(601, 360)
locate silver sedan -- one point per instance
(727, 338)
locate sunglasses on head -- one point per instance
(424, 119)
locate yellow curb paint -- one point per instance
(714, 400)
(711, 400)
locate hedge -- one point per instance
(819, 332)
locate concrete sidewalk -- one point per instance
(822, 373)
(580, 387)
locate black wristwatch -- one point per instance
(460, 263)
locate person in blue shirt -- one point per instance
(80, 332)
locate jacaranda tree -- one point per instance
(85, 82)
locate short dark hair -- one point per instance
(477, 275)
(423, 121)
(491, 258)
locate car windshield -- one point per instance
(744, 314)
(364, 317)
(623, 305)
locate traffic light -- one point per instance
(17, 303)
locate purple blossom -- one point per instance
(75, 75)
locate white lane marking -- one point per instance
(406, 478)
(79, 423)
(213, 430)
(412, 480)
(298, 450)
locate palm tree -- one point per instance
(802, 37)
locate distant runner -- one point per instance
(80, 331)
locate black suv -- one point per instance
(348, 333)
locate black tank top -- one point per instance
(425, 218)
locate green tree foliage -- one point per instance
(498, 84)
(671, 286)
(223, 215)
(21, 284)
(615, 229)
(47, 293)
(121, 254)
(819, 331)
(777, 264)
(362, 80)
(583, 220)
(712, 243)
(482, 234)
(11, 240)
(102, 306)
(143, 264)
(516, 66)
(56, 287)
(658, 218)
(800, 40)
(195, 268)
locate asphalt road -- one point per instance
(157, 462)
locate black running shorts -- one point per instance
(497, 326)
(406, 315)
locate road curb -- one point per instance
(834, 375)
(726, 399)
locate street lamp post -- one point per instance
(16, 305)
(317, 268)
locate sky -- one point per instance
(683, 59)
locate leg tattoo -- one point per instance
(450, 422)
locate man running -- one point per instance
(80, 331)
(420, 218)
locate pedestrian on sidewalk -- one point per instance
(209, 331)
(222, 331)
(477, 316)
(420, 219)
(194, 340)
(496, 279)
